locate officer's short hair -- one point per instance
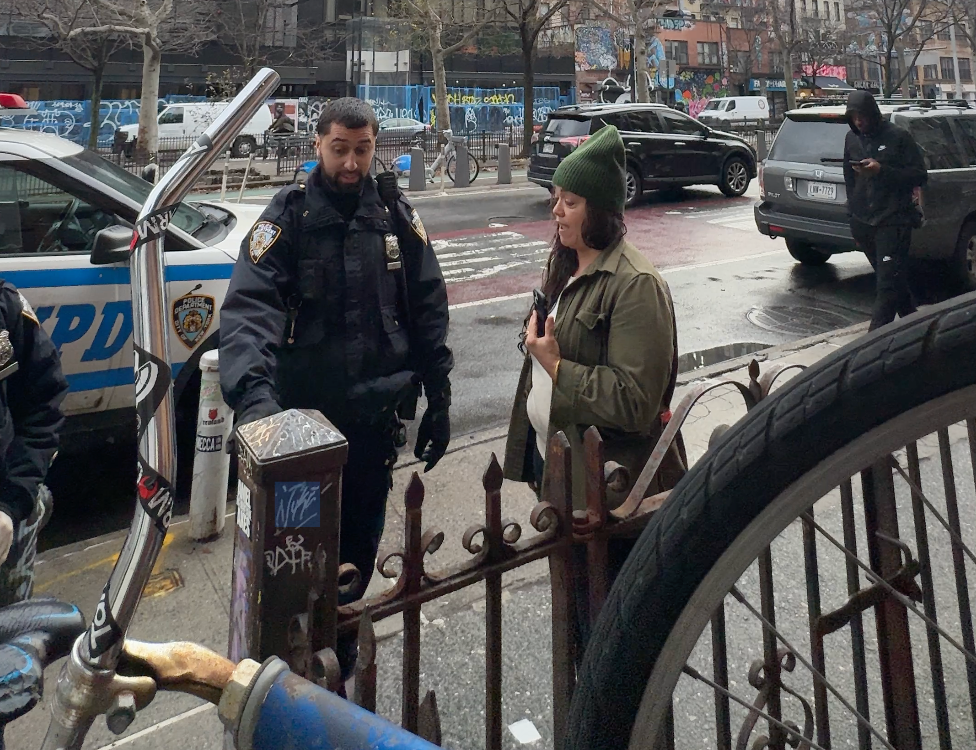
(349, 112)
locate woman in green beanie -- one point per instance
(609, 354)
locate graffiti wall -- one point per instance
(71, 119)
(699, 88)
(473, 110)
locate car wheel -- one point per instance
(806, 253)
(634, 187)
(243, 147)
(735, 177)
(964, 261)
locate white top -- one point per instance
(539, 401)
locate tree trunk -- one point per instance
(528, 97)
(442, 120)
(148, 142)
(788, 80)
(96, 106)
(640, 65)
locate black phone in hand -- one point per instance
(541, 308)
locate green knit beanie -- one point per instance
(596, 170)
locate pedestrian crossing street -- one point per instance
(485, 255)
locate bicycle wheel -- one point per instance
(473, 168)
(775, 493)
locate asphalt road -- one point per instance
(734, 291)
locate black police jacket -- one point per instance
(884, 199)
(319, 314)
(32, 388)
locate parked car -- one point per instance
(665, 148)
(401, 130)
(187, 121)
(55, 199)
(734, 109)
(803, 197)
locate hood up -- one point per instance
(863, 102)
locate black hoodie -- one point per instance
(884, 199)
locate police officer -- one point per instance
(337, 303)
(32, 387)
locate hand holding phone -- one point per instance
(541, 308)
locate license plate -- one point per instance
(824, 191)
(548, 148)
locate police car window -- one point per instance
(934, 136)
(39, 217)
(966, 126)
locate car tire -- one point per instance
(963, 263)
(734, 180)
(634, 187)
(243, 147)
(806, 253)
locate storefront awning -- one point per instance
(829, 83)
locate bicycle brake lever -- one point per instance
(178, 667)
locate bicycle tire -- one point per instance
(473, 168)
(818, 414)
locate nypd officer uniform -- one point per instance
(337, 303)
(32, 388)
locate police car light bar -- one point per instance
(14, 104)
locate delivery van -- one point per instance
(734, 109)
(187, 121)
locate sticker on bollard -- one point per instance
(290, 476)
(211, 465)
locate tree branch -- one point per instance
(470, 34)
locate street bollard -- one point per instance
(462, 176)
(418, 170)
(761, 144)
(288, 506)
(211, 463)
(247, 172)
(504, 164)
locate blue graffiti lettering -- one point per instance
(73, 322)
(101, 348)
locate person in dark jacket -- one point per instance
(882, 167)
(32, 388)
(337, 303)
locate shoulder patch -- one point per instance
(27, 309)
(418, 225)
(263, 236)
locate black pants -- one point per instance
(888, 246)
(366, 482)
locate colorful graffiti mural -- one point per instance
(600, 48)
(698, 88)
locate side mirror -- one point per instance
(111, 245)
(149, 173)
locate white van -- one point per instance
(187, 121)
(734, 109)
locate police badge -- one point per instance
(418, 225)
(192, 316)
(392, 252)
(6, 354)
(263, 236)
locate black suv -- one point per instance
(665, 148)
(803, 197)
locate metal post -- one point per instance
(96, 653)
(504, 164)
(761, 144)
(247, 171)
(288, 505)
(211, 462)
(418, 171)
(223, 179)
(462, 177)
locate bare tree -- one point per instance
(965, 17)
(816, 46)
(639, 17)
(530, 17)
(784, 25)
(892, 33)
(432, 20)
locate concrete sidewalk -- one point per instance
(190, 590)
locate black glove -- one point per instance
(434, 433)
(253, 413)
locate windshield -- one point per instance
(715, 104)
(565, 127)
(810, 141)
(186, 217)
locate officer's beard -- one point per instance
(344, 187)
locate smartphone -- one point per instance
(541, 308)
(831, 160)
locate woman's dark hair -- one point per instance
(603, 229)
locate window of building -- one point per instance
(836, 11)
(803, 6)
(281, 24)
(965, 71)
(948, 71)
(943, 35)
(776, 62)
(930, 72)
(816, 9)
(678, 51)
(708, 53)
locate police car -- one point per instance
(55, 197)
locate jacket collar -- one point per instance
(608, 261)
(319, 210)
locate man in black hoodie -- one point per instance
(882, 167)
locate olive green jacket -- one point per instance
(615, 328)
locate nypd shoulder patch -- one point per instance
(263, 236)
(27, 309)
(417, 224)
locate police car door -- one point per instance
(46, 237)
